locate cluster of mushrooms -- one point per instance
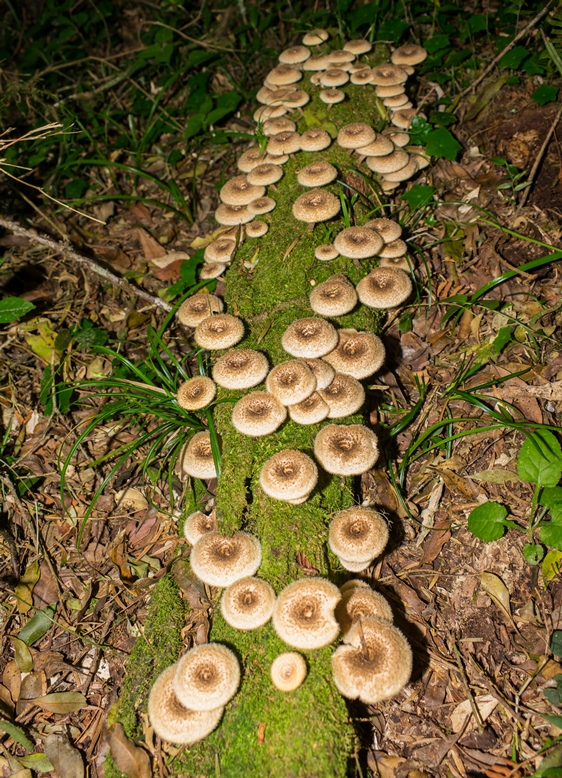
(321, 380)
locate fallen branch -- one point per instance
(538, 161)
(90, 264)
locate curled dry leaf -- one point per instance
(66, 759)
(498, 591)
(128, 757)
(131, 500)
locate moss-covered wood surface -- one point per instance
(265, 732)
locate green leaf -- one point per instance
(554, 695)
(437, 43)
(514, 57)
(551, 566)
(23, 657)
(440, 143)
(556, 642)
(418, 196)
(38, 762)
(551, 498)
(12, 308)
(551, 535)
(16, 733)
(556, 720)
(486, 521)
(545, 94)
(62, 702)
(442, 119)
(540, 459)
(38, 625)
(533, 553)
(502, 339)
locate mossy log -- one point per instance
(265, 732)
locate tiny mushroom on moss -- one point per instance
(265, 174)
(344, 396)
(303, 616)
(197, 459)
(288, 475)
(294, 55)
(323, 372)
(408, 54)
(291, 382)
(288, 671)
(317, 205)
(220, 560)
(220, 250)
(248, 603)
(353, 136)
(196, 393)
(258, 413)
(384, 287)
(358, 534)
(198, 524)
(357, 47)
(218, 332)
(197, 308)
(358, 242)
(317, 174)
(332, 96)
(313, 410)
(358, 354)
(256, 229)
(359, 600)
(239, 191)
(231, 215)
(309, 338)
(240, 369)
(346, 449)
(315, 139)
(334, 297)
(315, 37)
(388, 229)
(207, 677)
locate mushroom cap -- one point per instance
(401, 263)
(220, 561)
(197, 308)
(303, 616)
(419, 154)
(207, 677)
(196, 393)
(394, 249)
(332, 96)
(251, 159)
(358, 242)
(397, 101)
(317, 205)
(388, 229)
(334, 297)
(340, 56)
(240, 369)
(171, 720)
(258, 413)
(388, 75)
(315, 139)
(390, 163)
(404, 173)
(197, 459)
(323, 372)
(220, 331)
(294, 55)
(220, 250)
(198, 524)
(265, 112)
(248, 603)
(286, 142)
(284, 74)
(403, 118)
(326, 252)
(384, 287)
(334, 77)
(288, 671)
(291, 382)
(362, 77)
(355, 135)
(265, 174)
(357, 47)
(256, 229)
(380, 147)
(315, 37)
(310, 411)
(288, 475)
(239, 191)
(344, 449)
(408, 54)
(230, 215)
(317, 174)
(358, 354)
(354, 567)
(390, 91)
(309, 338)
(344, 396)
(261, 205)
(400, 139)
(212, 270)
(374, 663)
(358, 534)
(317, 64)
(296, 99)
(275, 126)
(360, 601)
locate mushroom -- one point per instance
(384, 287)
(240, 369)
(399, 101)
(326, 252)
(344, 396)
(359, 600)
(388, 75)
(340, 56)
(291, 382)
(310, 411)
(394, 249)
(315, 37)
(315, 140)
(206, 677)
(212, 270)
(380, 147)
(346, 449)
(284, 74)
(294, 55)
(288, 671)
(196, 393)
(388, 230)
(334, 297)
(316, 64)
(400, 263)
(403, 118)
(358, 534)
(317, 174)
(362, 77)
(310, 337)
(265, 112)
(261, 205)
(284, 143)
(220, 561)
(230, 215)
(332, 96)
(355, 135)
(303, 616)
(265, 174)
(276, 126)
(358, 242)
(239, 191)
(197, 460)
(357, 47)
(197, 308)
(374, 663)
(399, 139)
(409, 54)
(220, 331)
(317, 205)
(296, 99)
(288, 475)
(251, 159)
(323, 372)
(171, 720)
(256, 229)
(247, 603)
(257, 414)
(198, 524)
(220, 250)
(358, 354)
(389, 164)
(404, 173)
(333, 77)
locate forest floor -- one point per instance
(482, 659)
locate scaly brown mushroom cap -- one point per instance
(256, 229)
(309, 338)
(220, 331)
(404, 174)
(409, 54)
(220, 250)
(211, 270)
(318, 205)
(316, 64)
(340, 57)
(296, 99)
(374, 663)
(355, 135)
(384, 287)
(333, 77)
(248, 603)
(332, 96)
(251, 159)
(288, 671)
(358, 354)
(198, 524)
(275, 126)
(239, 191)
(344, 396)
(344, 449)
(358, 601)
(265, 174)
(196, 393)
(388, 75)
(380, 147)
(315, 140)
(284, 143)
(310, 411)
(231, 215)
(258, 413)
(317, 174)
(197, 308)
(197, 459)
(323, 372)
(171, 720)
(357, 47)
(358, 242)
(394, 249)
(304, 613)
(284, 74)
(400, 263)
(261, 205)
(294, 55)
(207, 677)
(389, 164)
(220, 561)
(315, 37)
(291, 382)
(326, 252)
(390, 91)
(358, 534)
(288, 475)
(388, 230)
(403, 118)
(334, 297)
(240, 369)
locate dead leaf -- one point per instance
(437, 539)
(131, 500)
(62, 702)
(261, 733)
(428, 515)
(149, 245)
(129, 758)
(167, 259)
(24, 589)
(66, 759)
(495, 476)
(498, 591)
(486, 705)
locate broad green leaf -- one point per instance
(540, 459)
(437, 43)
(545, 94)
(440, 143)
(556, 642)
(38, 625)
(13, 308)
(551, 566)
(16, 733)
(551, 498)
(551, 535)
(62, 702)
(38, 762)
(533, 553)
(486, 521)
(418, 196)
(554, 695)
(514, 57)
(23, 656)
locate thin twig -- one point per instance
(538, 161)
(468, 691)
(90, 264)
(509, 46)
